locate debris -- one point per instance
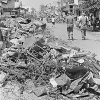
(40, 91)
(46, 68)
(2, 76)
(53, 82)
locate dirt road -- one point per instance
(92, 42)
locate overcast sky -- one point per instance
(36, 3)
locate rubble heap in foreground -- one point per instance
(57, 72)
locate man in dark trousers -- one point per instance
(70, 25)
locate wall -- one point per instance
(6, 13)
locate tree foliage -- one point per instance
(32, 11)
(42, 8)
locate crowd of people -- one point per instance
(70, 20)
(95, 22)
(83, 22)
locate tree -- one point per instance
(42, 8)
(32, 11)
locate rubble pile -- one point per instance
(57, 72)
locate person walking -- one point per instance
(83, 21)
(53, 21)
(70, 25)
(94, 23)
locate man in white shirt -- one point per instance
(83, 21)
(70, 25)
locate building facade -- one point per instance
(70, 5)
(73, 4)
(10, 7)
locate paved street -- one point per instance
(92, 43)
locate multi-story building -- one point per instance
(70, 5)
(10, 7)
(73, 5)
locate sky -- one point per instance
(36, 3)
